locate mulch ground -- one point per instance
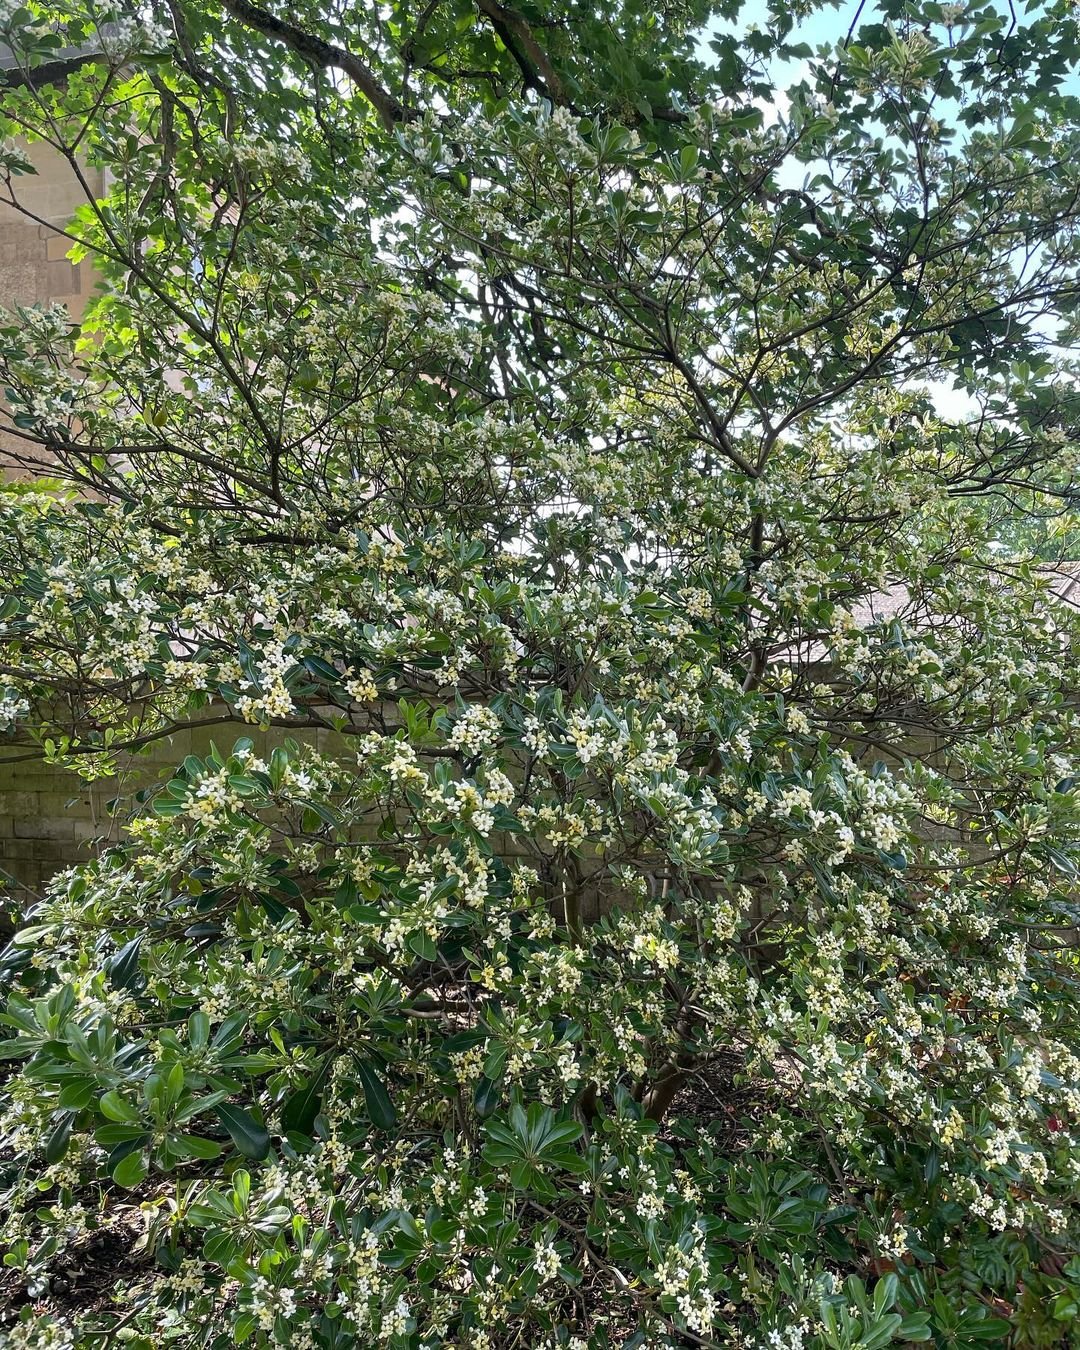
(82, 1278)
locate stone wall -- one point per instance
(47, 820)
(34, 268)
(47, 817)
(51, 819)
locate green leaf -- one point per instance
(321, 810)
(250, 1138)
(379, 1106)
(130, 1170)
(986, 1329)
(113, 1107)
(915, 1328)
(78, 1093)
(302, 1106)
(59, 1137)
(486, 1096)
(423, 945)
(123, 968)
(194, 1146)
(110, 1136)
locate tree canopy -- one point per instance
(652, 474)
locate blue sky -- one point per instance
(824, 25)
(831, 24)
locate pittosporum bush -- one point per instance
(629, 512)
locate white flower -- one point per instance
(546, 1260)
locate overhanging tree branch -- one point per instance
(326, 55)
(522, 45)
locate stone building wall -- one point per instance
(51, 819)
(46, 816)
(47, 820)
(34, 268)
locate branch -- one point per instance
(323, 54)
(49, 72)
(522, 45)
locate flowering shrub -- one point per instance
(632, 898)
